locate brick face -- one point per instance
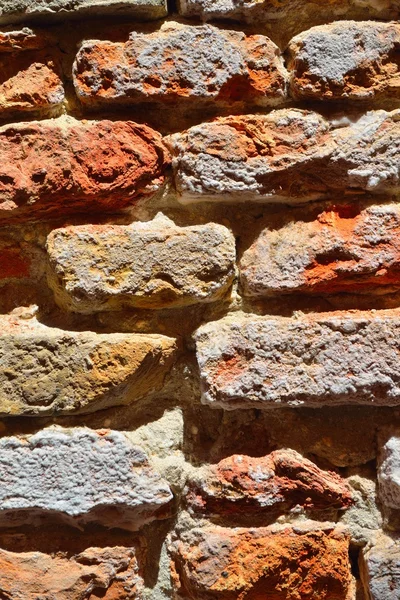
(199, 300)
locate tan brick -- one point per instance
(151, 265)
(15, 11)
(79, 476)
(313, 360)
(111, 571)
(288, 155)
(341, 249)
(286, 564)
(45, 370)
(180, 63)
(64, 166)
(346, 60)
(245, 485)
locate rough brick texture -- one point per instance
(15, 11)
(217, 562)
(110, 572)
(342, 248)
(199, 300)
(67, 166)
(151, 265)
(283, 479)
(180, 63)
(310, 360)
(79, 475)
(379, 564)
(346, 60)
(45, 370)
(288, 155)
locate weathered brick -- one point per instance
(389, 472)
(380, 568)
(181, 63)
(68, 166)
(285, 19)
(344, 248)
(277, 482)
(111, 572)
(347, 59)
(79, 476)
(238, 564)
(252, 157)
(288, 155)
(309, 360)
(15, 11)
(151, 265)
(45, 370)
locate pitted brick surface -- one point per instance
(152, 265)
(69, 166)
(342, 248)
(78, 475)
(181, 63)
(346, 60)
(44, 370)
(310, 360)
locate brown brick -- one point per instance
(242, 485)
(181, 63)
(346, 60)
(64, 166)
(238, 564)
(341, 249)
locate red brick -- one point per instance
(66, 166)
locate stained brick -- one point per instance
(287, 564)
(309, 360)
(65, 166)
(346, 60)
(45, 370)
(80, 476)
(151, 265)
(342, 248)
(243, 485)
(181, 63)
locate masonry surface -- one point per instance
(199, 300)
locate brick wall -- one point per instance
(199, 300)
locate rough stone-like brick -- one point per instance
(367, 155)
(252, 157)
(15, 11)
(239, 564)
(111, 572)
(243, 484)
(341, 249)
(44, 370)
(178, 63)
(30, 81)
(309, 360)
(380, 568)
(389, 473)
(288, 155)
(347, 59)
(152, 265)
(66, 166)
(285, 19)
(79, 476)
